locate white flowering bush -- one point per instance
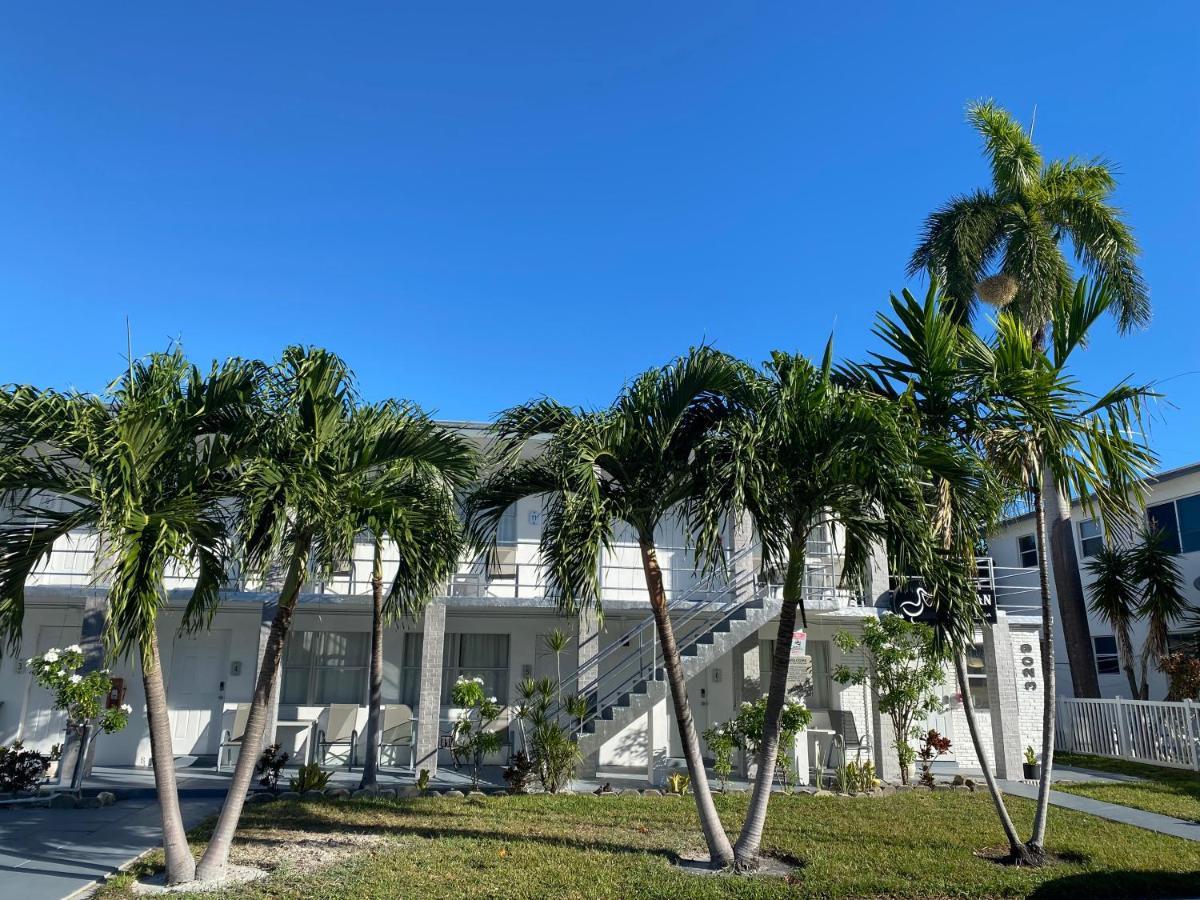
(745, 731)
(477, 711)
(80, 695)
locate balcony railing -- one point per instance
(516, 576)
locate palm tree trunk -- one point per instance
(1125, 651)
(719, 848)
(375, 695)
(1068, 585)
(1019, 852)
(181, 865)
(216, 856)
(750, 840)
(1037, 839)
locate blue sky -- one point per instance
(486, 202)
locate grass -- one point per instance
(1172, 792)
(913, 844)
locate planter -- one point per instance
(1032, 772)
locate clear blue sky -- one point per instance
(492, 201)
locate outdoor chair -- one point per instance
(398, 731)
(231, 738)
(341, 720)
(843, 723)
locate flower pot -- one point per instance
(1032, 771)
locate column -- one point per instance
(588, 644)
(429, 702)
(269, 608)
(91, 641)
(1002, 697)
(878, 577)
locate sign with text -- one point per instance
(915, 601)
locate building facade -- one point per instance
(492, 622)
(1172, 503)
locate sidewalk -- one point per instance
(48, 854)
(1189, 831)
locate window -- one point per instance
(1188, 516)
(472, 655)
(1107, 660)
(506, 528)
(322, 667)
(1162, 517)
(977, 677)
(1027, 549)
(1091, 537)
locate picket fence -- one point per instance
(1163, 733)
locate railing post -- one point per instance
(1122, 730)
(1189, 712)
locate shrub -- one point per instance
(472, 738)
(721, 743)
(1184, 674)
(309, 778)
(269, 765)
(555, 755)
(933, 745)
(423, 781)
(520, 773)
(678, 783)
(21, 769)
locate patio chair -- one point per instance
(398, 731)
(340, 730)
(843, 723)
(232, 738)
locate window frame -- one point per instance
(312, 668)
(1105, 658)
(1022, 551)
(1171, 535)
(977, 678)
(1085, 540)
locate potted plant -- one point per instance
(1032, 768)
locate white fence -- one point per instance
(1159, 732)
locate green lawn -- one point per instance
(1172, 792)
(915, 844)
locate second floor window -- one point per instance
(1091, 537)
(1179, 522)
(1028, 551)
(1107, 660)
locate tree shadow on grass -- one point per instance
(1120, 883)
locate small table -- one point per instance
(304, 725)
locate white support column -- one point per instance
(91, 642)
(1002, 698)
(429, 702)
(588, 642)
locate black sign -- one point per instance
(915, 601)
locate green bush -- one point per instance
(310, 778)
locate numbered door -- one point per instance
(195, 692)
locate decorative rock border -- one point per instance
(46, 798)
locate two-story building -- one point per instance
(492, 621)
(1172, 501)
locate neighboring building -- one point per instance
(1173, 503)
(491, 622)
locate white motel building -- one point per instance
(491, 621)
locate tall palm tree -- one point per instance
(1153, 566)
(928, 369)
(417, 518)
(147, 466)
(1114, 599)
(1014, 230)
(804, 453)
(1047, 431)
(628, 463)
(317, 466)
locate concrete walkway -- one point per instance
(1189, 831)
(48, 854)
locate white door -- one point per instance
(42, 726)
(697, 689)
(195, 692)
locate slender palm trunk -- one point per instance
(216, 856)
(750, 840)
(1038, 837)
(375, 692)
(1125, 649)
(1068, 585)
(719, 848)
(181, 865)
(1019, 852)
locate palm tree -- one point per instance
(927, 369)
(804, 453)
(1114, 599)
(628, 463)
(418, 518)
(1049, 433)
(1154, 567)
(318, 465)
(1015, 230)
(148, 467)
